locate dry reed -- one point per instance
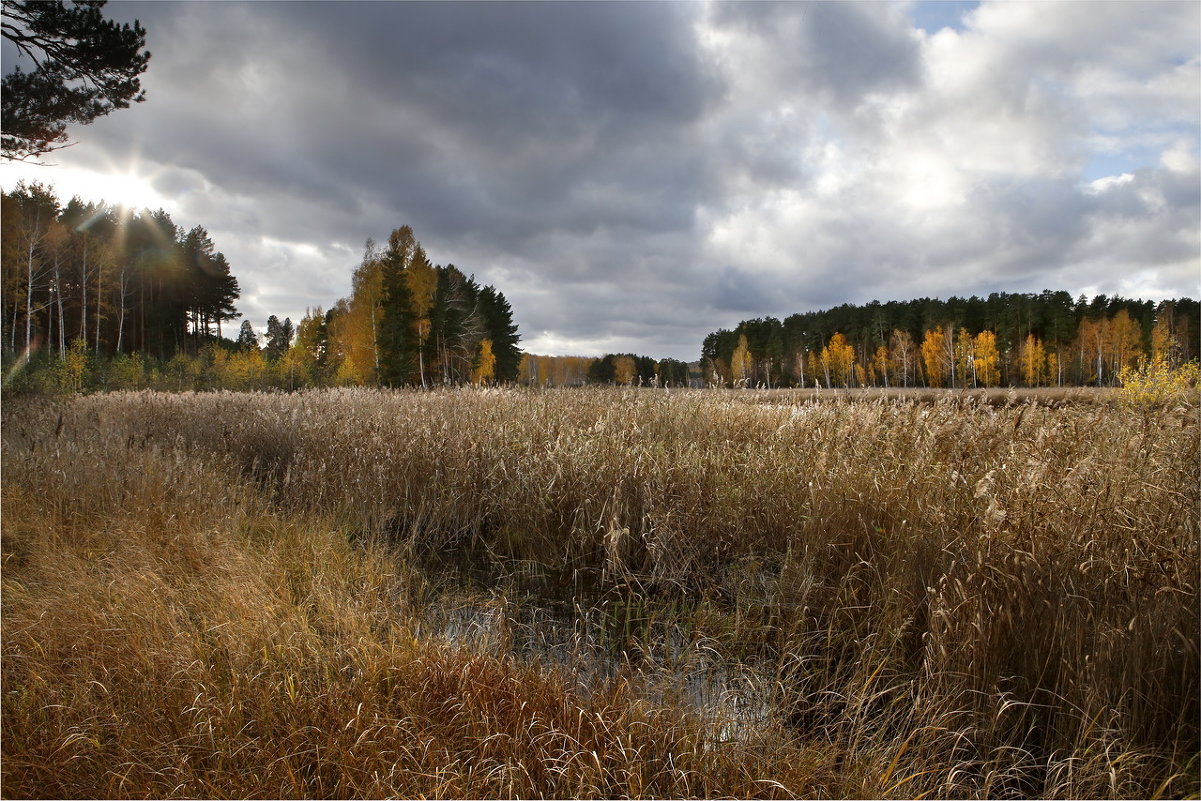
(232, 595)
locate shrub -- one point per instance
(1155, 383)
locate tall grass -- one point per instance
(230, 594)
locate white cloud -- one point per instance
(1105, 184)
(1181, 157)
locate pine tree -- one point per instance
(247, 338)
(502, 332)
(274, 335)
(85, 67)
(398, 341)
(279, 337)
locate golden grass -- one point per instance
(236, 595)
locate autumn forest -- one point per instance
(104, 298)
(100, 297)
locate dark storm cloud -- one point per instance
(736, 289)
(516, 70)
(505, 120)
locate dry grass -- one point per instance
(236, 595)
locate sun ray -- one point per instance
(111, 183)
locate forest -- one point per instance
(408, 322)
(99, 297)
(1006, 339)
(116, 280)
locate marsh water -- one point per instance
(593, 631)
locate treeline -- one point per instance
(624, 369)
(116, 280)
(97, 297)
(1006, 339)
(408, 322)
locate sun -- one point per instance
(129, 184)
(130, 188)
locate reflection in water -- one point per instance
(610, 637)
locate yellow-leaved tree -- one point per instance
(1091, 348)
(741, 362)
(624, 370)
(902, 353)
(838, 359)
(933, 356)
(1125, 341)
(986, 360)
(354, 328)
(307, 349)
(1034, 362)
(881, 364)
(965, 355)
(485, 372)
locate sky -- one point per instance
(633, 176)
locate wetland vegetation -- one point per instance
(599, 593)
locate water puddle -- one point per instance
(607, 638)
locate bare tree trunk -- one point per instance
(83, 304)
(375, 346)
(58, 301)
(949, 347)
(99, 295)
(123, 283)
(29, 295)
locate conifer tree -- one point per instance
(247, 338)
(502, 333)
(84, 67)
(397, 338)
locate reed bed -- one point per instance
(498, 593)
